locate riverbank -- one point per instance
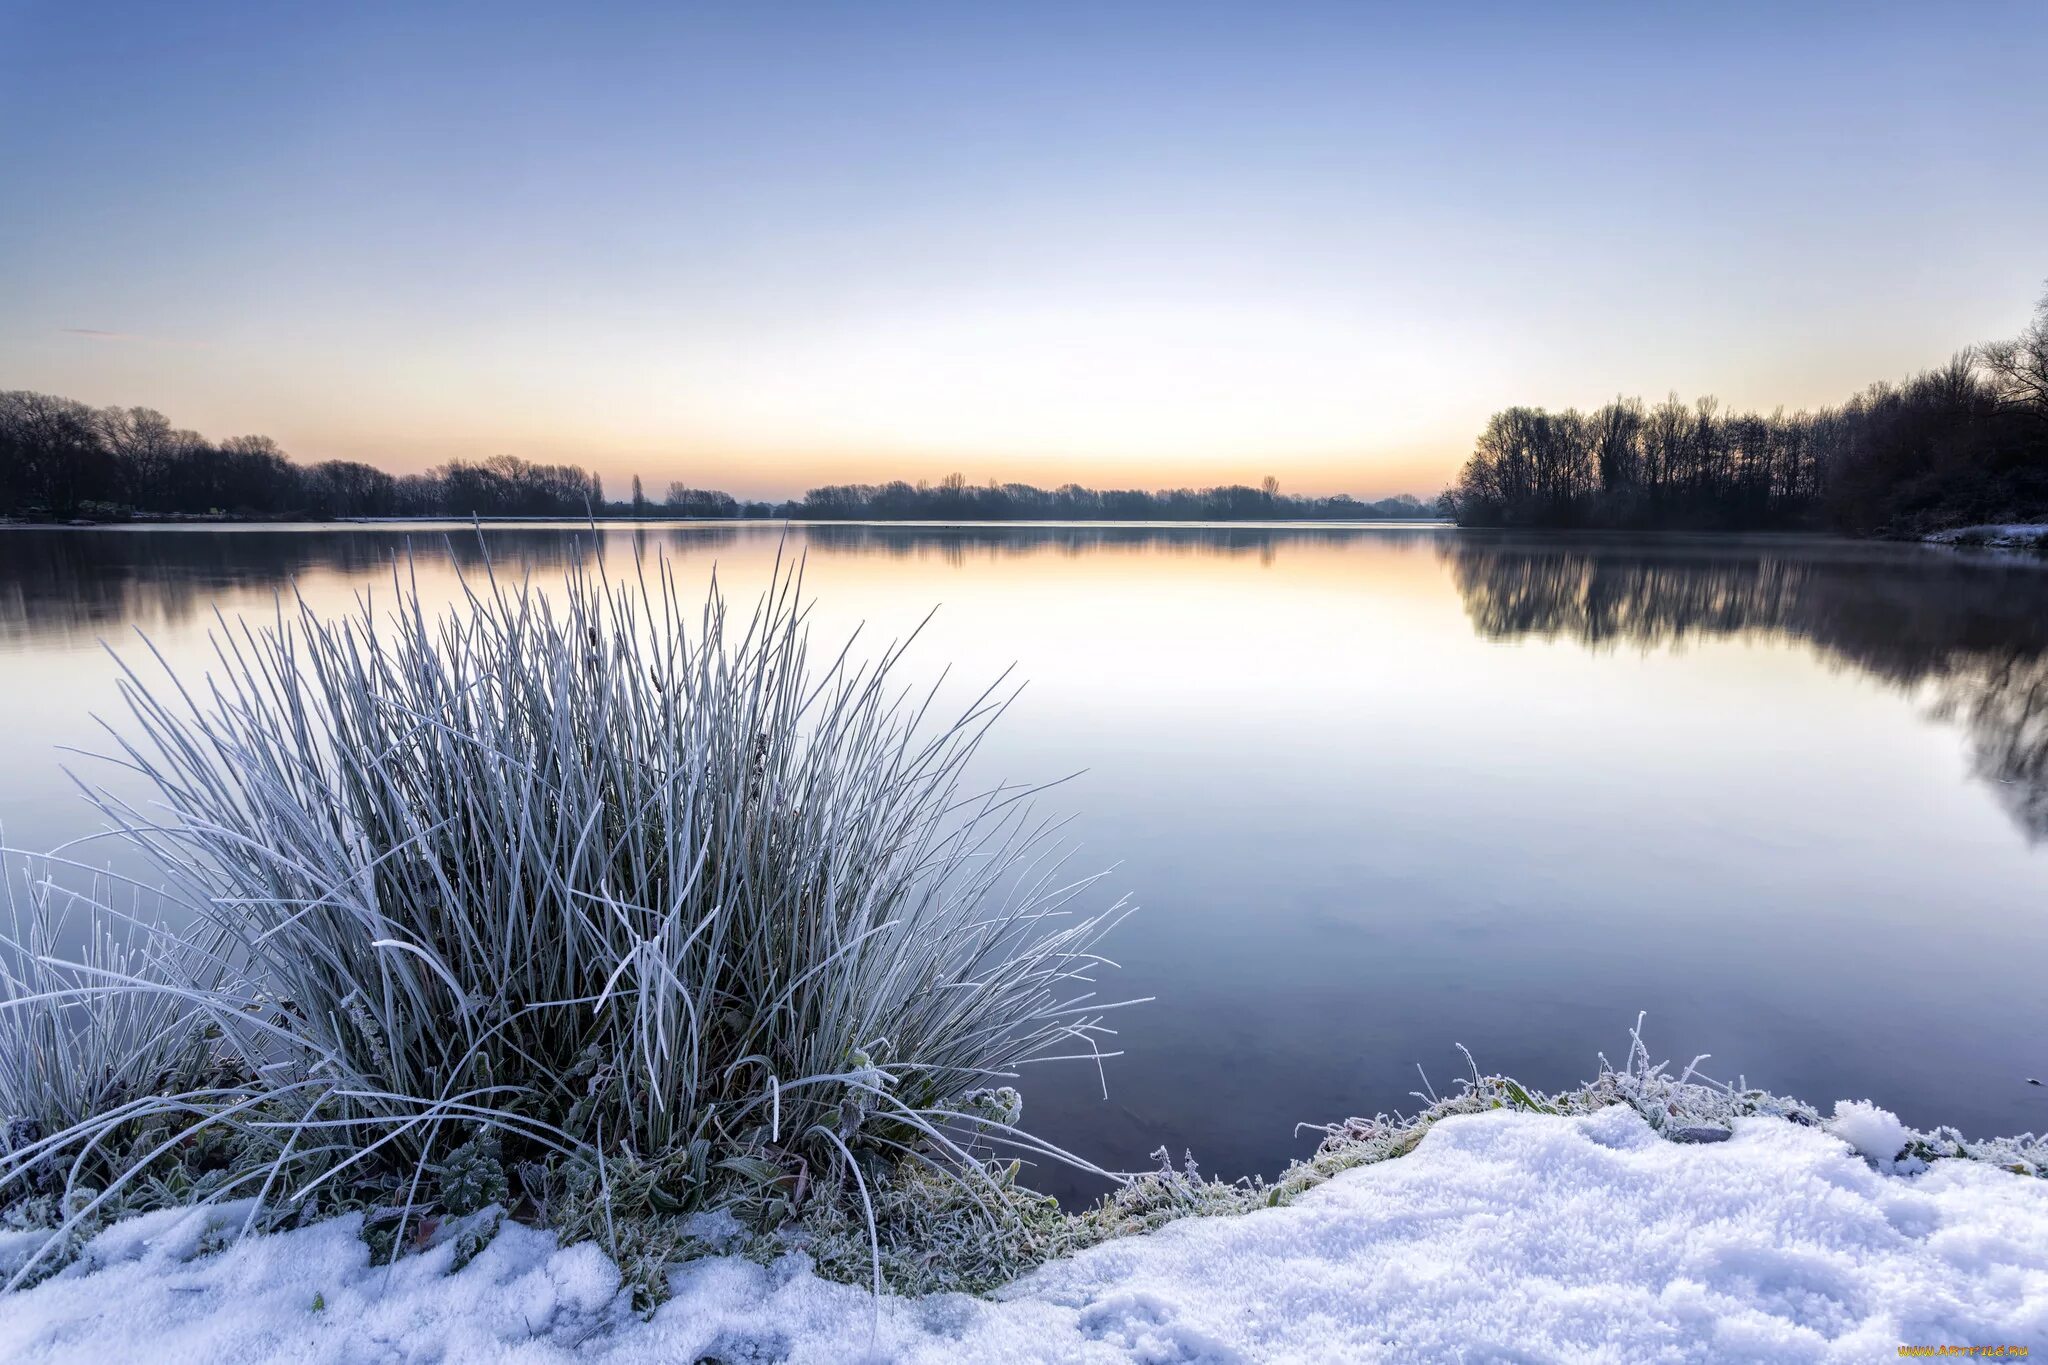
(1997, 536)
(619, 522)
(1638, 1217)
(2031, 535)
(1502, 1234)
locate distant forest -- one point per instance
(954, 499)
(1961, 445)
(60, 459)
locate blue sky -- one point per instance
(761, 246)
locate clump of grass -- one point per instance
(559, 887)
(74, 1050)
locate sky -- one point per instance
(765, 246)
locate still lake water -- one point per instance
(1377, 790)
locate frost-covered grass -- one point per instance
(585, 903)
(70, 1049)
(935, 1238)
(1643, 1215)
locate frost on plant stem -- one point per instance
(577, 896)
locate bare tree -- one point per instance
(2019, 367)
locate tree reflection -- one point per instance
(57, 583)
(1970, 634)
(961, 544)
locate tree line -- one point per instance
(1962, 444)
(954, 499)
(60, 458)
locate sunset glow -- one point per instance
(762, 250)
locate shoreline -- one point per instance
(615, 523)
(1714, 1221)
(2023, 536)
(2004, 536)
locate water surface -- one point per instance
(1378, 791)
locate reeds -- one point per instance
(554, 877)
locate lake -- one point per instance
(1377, 790)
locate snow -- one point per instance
(1876, 1133)
(1503, 1236)
(1998, 536)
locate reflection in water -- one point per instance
(1358, 829)
(2004, 705)
(63, 583)
(1972, 632)
(60, 584)
(962, 544)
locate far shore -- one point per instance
(2022, 535)
(148, 523)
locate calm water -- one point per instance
(1379, 790)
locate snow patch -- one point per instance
(1504, 1235)
(1874, 1132)
(1997, 536)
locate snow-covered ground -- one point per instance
(2003, 536)
(1504, 1236)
